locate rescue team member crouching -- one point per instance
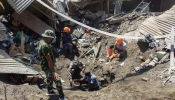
(118, 50)
(89, 81)
(76, 69)
(47, 62)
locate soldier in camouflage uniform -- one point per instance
(47, 62)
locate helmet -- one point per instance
(49, 34)
(66, 29)
(119, 41)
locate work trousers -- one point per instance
(69, 47)
(122, 55)
(50, 80)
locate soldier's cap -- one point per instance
(49, 34)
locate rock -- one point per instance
(145, 79)
(101, 60)
(137, 68)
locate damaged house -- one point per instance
(22, 23)
(144, 25)
(28, 20)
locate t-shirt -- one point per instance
(92, 80)
(44, 50)
(122, 47)
(75, 70)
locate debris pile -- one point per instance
(19, 40)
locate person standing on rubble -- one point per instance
(47, 61)
(69, 41)
(118, 50)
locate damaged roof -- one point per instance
(159, 25)
(19, 5)
(11, 66)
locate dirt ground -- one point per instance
(127, 85)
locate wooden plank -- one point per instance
(97, 49)
(30, 79)
(107, 6)
(22, 43)
(32, 22)
(13, 50)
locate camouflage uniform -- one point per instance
(44, 50)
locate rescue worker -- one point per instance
(76, 70)
(47, 62)
(90, 82)
(69, 41)
(118, 50)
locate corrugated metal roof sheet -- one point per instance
(19, 5)
(159, 25)
(2, 26)
(9, 65)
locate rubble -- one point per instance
(22, 45)
(8, 65)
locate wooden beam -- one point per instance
(32, 22)
(42, 12)
(107, 6)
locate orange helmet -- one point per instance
(119, 41)
(66, 29)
